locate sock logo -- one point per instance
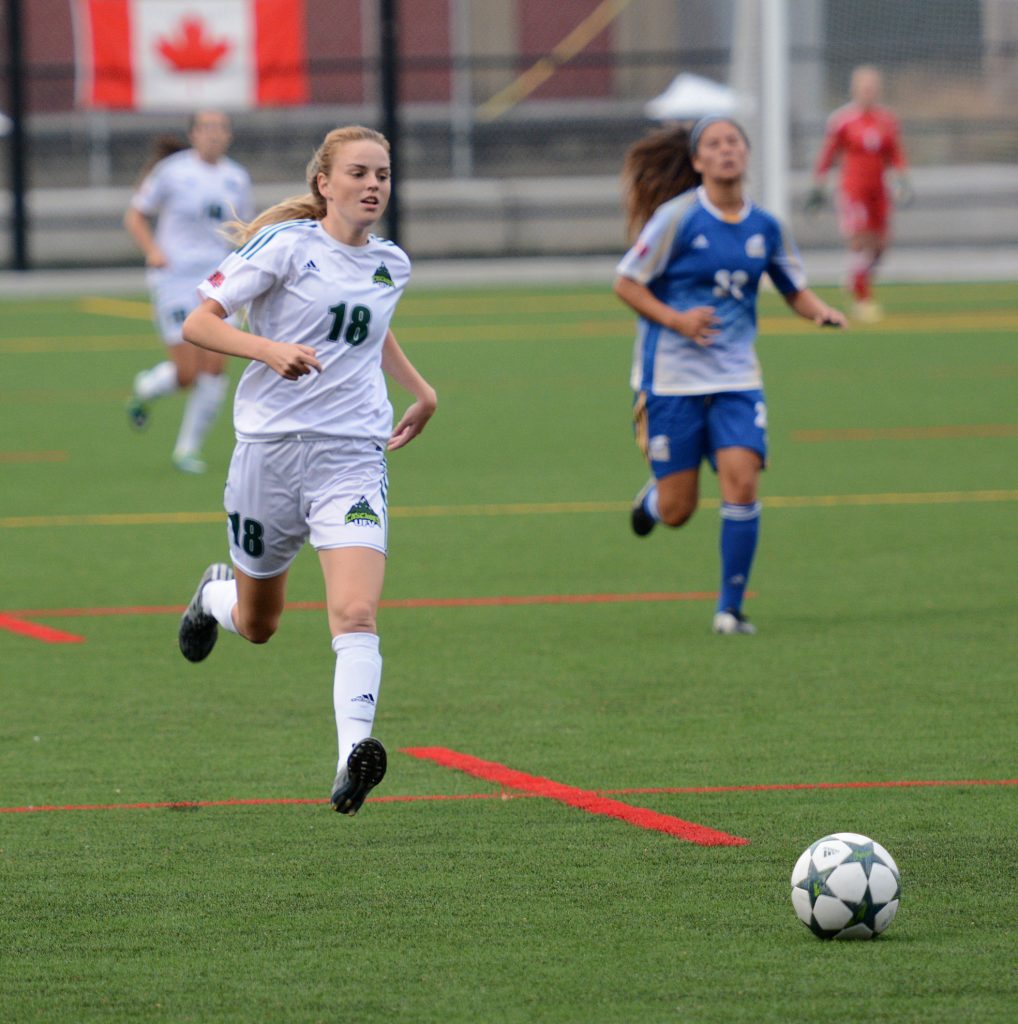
(364, 698)
(363, 514)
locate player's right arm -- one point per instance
(647, 260)
(830, 149)
(207, 328)
(145, 205)
(698, 324)
(139, 228)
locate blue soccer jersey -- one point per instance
(688, 255)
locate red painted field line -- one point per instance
(13, 624)
(583, 799)
(438, 797)
(410, 602)
(790, 786)
(187, 805)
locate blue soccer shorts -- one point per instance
(676, 432)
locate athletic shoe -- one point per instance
(364, 769)
(137, 409)
(188, 462)
(137, 413)
(199, 630)
(730, 622)
(640, 519)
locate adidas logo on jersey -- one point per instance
(310, 265)
(382, 276)
(700, 242)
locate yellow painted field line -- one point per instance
(26, 457)
(131, 309)
(57, 345)
(524, 509)
(610, 323)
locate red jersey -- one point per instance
(868, 142)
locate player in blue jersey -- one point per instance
(692, 276)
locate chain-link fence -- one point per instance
(515, 114)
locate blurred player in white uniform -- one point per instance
(313, 423)
(692, 276)
(189, 196)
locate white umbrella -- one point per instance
(692, 96)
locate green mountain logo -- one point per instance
(382, 276)
(363, 514)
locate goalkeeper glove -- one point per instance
(902, 190)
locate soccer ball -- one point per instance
(846, 886)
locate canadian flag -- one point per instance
(179, 54)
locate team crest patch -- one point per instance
(216, 278)
(755, 247)
(382, 276)
(659, 449)
(362, 514)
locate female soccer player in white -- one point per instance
(189, 195)
(692, 277)
(313, 423)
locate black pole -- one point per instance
(16, 140)
(389, 67)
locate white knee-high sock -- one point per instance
(156, 382)
(355, 688)
(200, 412)
(218, 599)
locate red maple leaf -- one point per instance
(192, 50)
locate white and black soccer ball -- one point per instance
(846, 886)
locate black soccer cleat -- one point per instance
(137, 413)
(365, 769)
(640, 519)
(199, 630)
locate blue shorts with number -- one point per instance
(677, 432)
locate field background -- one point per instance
(884, 592)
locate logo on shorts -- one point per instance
(659, 449)
(217, 278)
(310, 265)
(382, 276)
(363, 514)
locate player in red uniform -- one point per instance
(866, 138)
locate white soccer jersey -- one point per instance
(303, 286)
(191, 200)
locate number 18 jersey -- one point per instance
(689, 254)
(302, 286)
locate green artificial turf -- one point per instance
(885, 599)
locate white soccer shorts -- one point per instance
(174, 295)
(281, 493)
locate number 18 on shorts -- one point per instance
(282, 493)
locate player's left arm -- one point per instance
(397, 366)
(810, 306)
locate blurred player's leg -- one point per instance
(156, 382)
(202, 407)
